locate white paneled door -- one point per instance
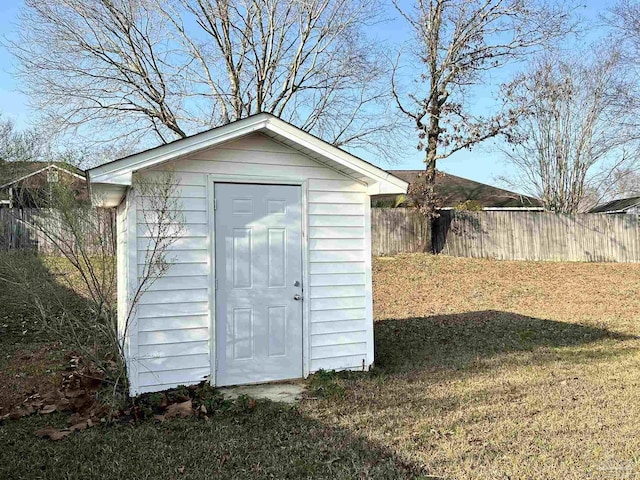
(258, 264)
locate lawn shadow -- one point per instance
(458, 340)
(25, 278)
(270, 441)
(32, 302)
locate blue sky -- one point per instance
(483, 163)
(12, 103)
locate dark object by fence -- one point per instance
(399, 230)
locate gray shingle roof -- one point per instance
(454, 190)
(619, 205)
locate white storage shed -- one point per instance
(271, 277)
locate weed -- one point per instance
(326, 384)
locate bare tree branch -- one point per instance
(574, 139)
(141, 68)
(85, 238)
(456, 42)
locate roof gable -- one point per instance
(119, 172)
(37, 169)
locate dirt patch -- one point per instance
(28, 370)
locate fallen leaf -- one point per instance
(92, 383)
(183, 409)
(48, 409)
(74, 393)
(18, 413)
(80, 401)
(44, 432)
(37, 404)
(77, 418)
(53, 433)
(79, 426)
(51, 397)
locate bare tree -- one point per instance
(174, 68)
(624, 20)
(457, 42)
(18, 145)
(626, 182)
(83, 241)
(576, 137)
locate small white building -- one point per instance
(271, 278)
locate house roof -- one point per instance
(14, 172)
(111, 179)
(617, 206)
(454, 190)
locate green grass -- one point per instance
(484, 370)
(272, 441)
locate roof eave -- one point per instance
(120, 172)
(382, 181)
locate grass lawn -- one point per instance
(484, 370)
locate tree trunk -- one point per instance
(428, 189)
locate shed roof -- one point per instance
(453, 190)
(617, 206)
(113, 178)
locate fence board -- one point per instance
(397, 230)
(514, 235)
(16, 234)
(509, 235)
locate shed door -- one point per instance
(259, 274)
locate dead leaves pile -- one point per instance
(77, 394)
(180, 410)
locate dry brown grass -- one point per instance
(484, 370)
(496, 370)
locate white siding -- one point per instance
(337, 274)
(174, 332)
(121, 263)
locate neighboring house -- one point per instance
(629, 206)
(29, 184)
(272, 278)
(454, 191)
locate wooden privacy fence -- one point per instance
(399, 230)
(16, 232)
(510, 235)
(517, 235)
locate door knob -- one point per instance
(297, 297)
